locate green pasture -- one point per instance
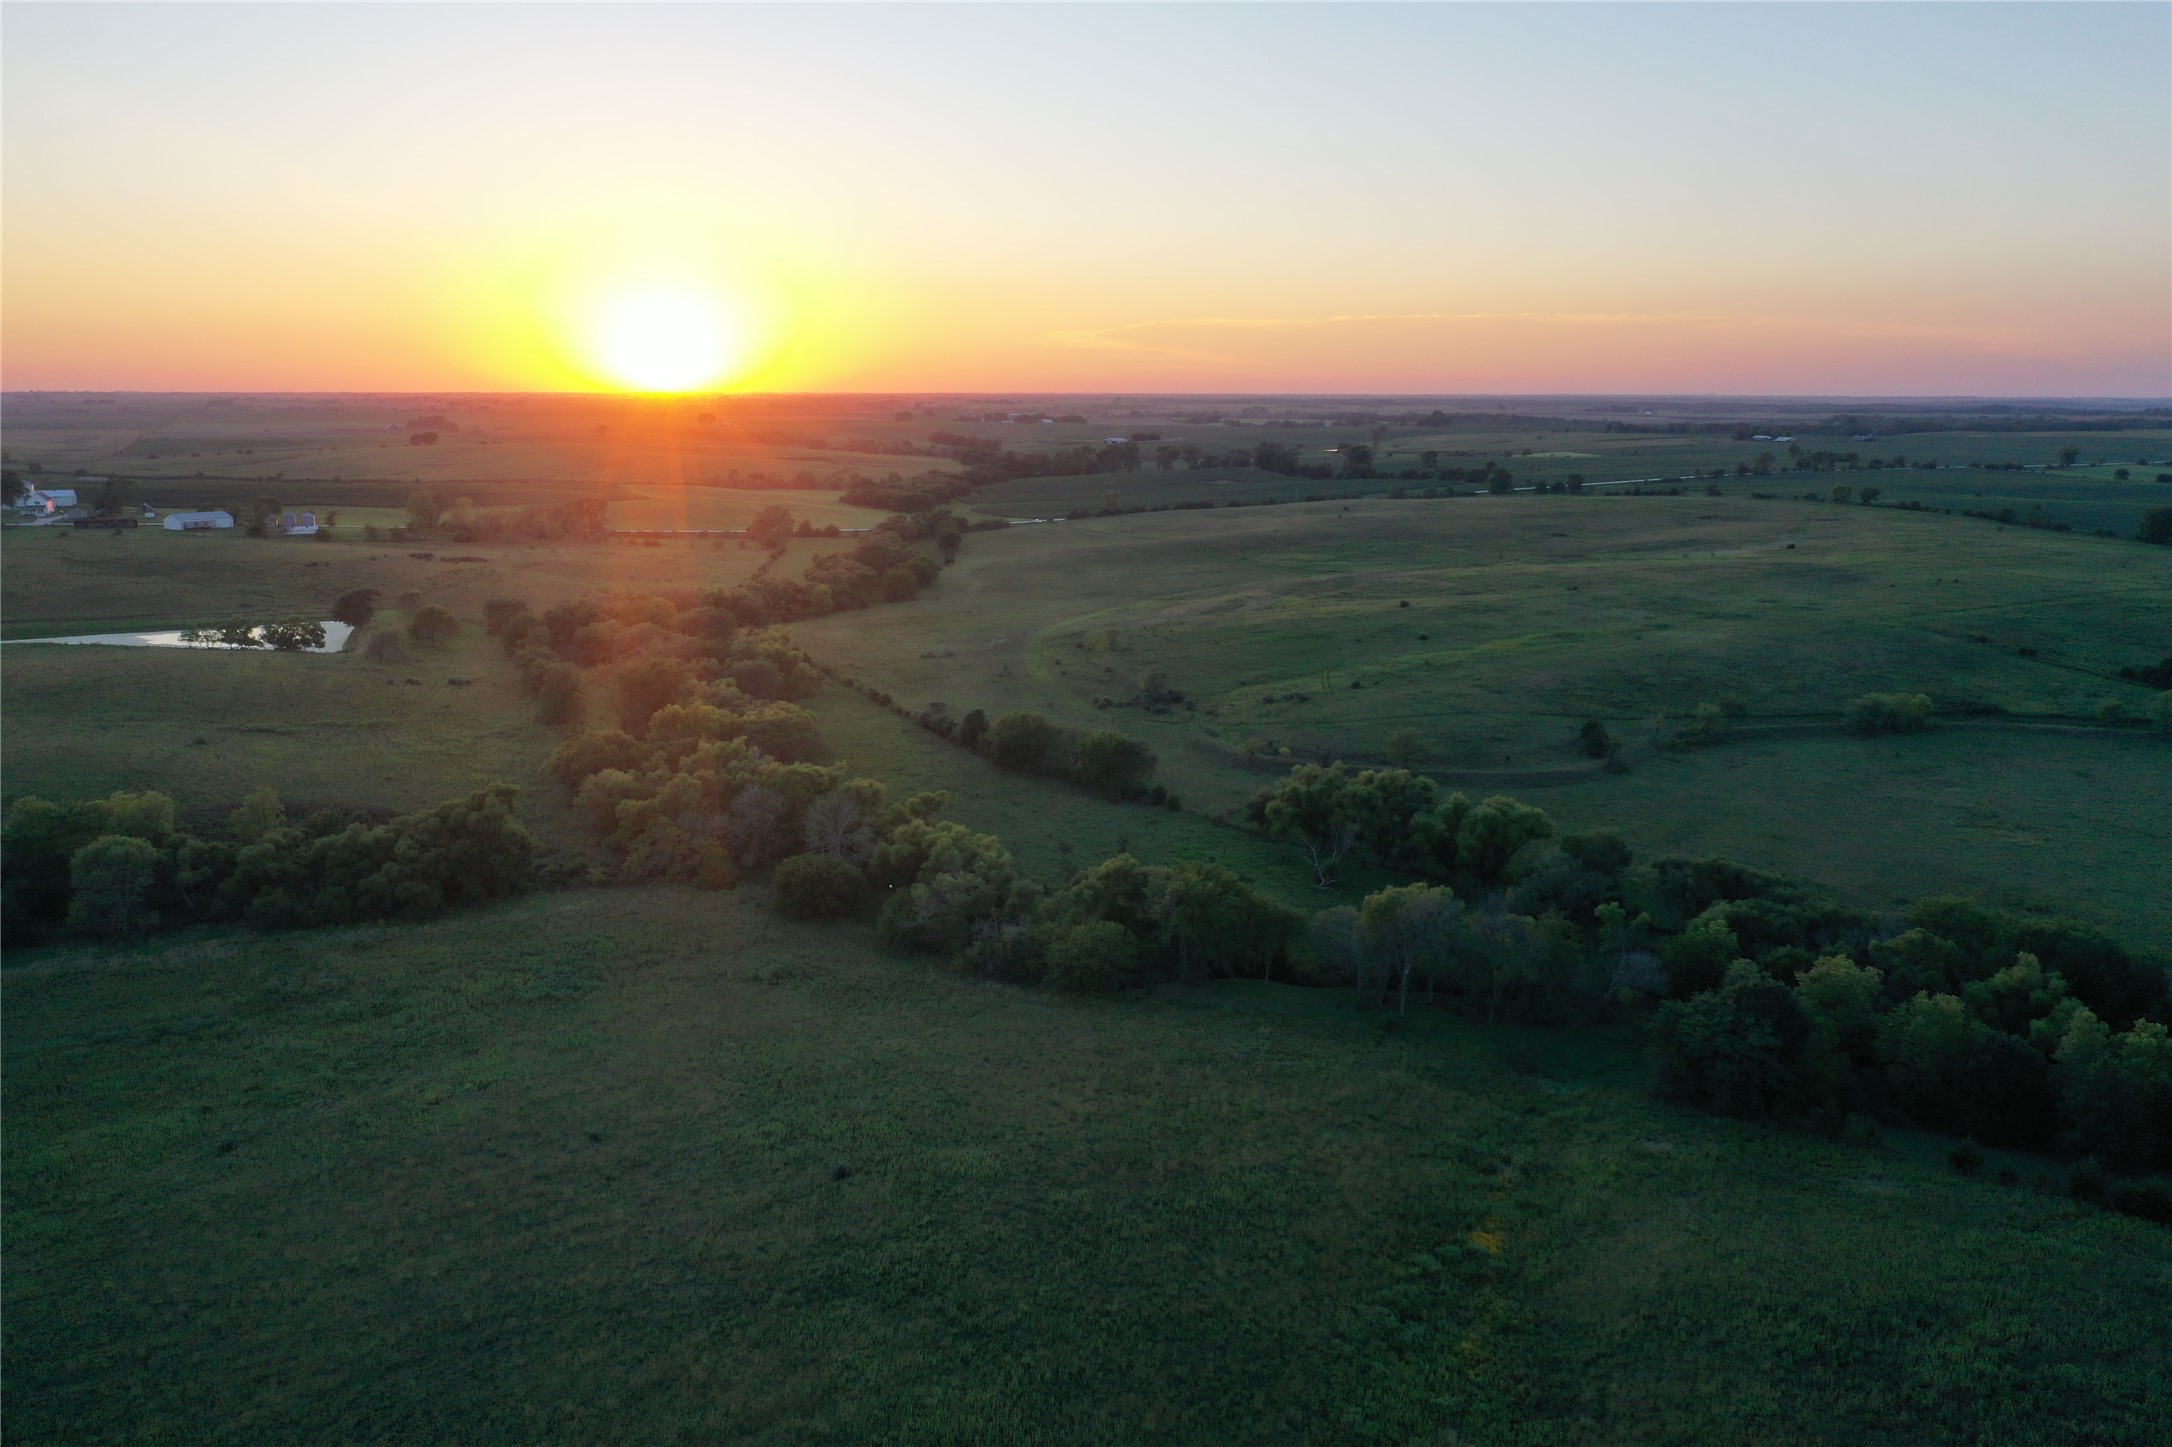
(57, 581)
(211, 727)
(2086, 499)
(646, 1166)
(732, 508)
(1052, 828)
(1527, 615)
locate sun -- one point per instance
(663, 339)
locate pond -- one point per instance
(335, 638)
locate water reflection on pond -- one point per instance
(335, 638)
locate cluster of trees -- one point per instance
(923, 493)
(288, 635)
(579, 520)
(1115, 926)
(2014, 1029)
(1104, 761)
(2156, 527)
(121, 865)
(1890, 713)
(1403, 822)
(2039, 1034)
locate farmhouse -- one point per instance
(193, 522)
(48, 500)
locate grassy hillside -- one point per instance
(642, 1165)
(1287, 628)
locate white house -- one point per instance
(48, 499)
(192, 522)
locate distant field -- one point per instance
(1052, 828)
(210, 728)
(645, 1165)
(685, 508)
(2084, 498)
(324, 449)
(56, 581)
(1527, 615)
(2089, 499)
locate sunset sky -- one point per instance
(1939, 199)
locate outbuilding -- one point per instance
(194, 522)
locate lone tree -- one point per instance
(432, 624)
(1405, 928)
(355, 607)
(1317, 809)
(2156, 527)
(1111, 763)
(424, 508)
(771, 526)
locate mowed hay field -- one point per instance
(645, 1166)
(1287, 629)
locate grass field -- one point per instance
(697, 508)
(209, 728)
(56, 581)
(1527, 615)
(647, 1165)
(644, 1166)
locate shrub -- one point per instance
(901, 584)
(1023, 741)
(818, 886)
(1966, 1158)
(1597, 742)
(2087, 1181)
(1406, 748)
(1096, 957)
(293, 635)
(1111, 764)
(593, 751)
(972, 729)
(1013, 956)
(2149, 1200)
(1889, 713)
(433, 625)
(641, 686)
(355, 607)
(499, 612)
(2156, 526)
(385, 648)
(558, 695)
(1735, 1048)
(760, 679)
(112, 877)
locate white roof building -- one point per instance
(192, 522)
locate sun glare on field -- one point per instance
(664, 340)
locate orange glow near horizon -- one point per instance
(566, 199)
